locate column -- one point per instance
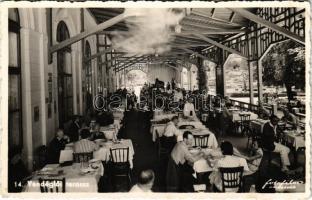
(250, 74)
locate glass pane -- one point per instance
(13, 49)
(14, 128)
(211, 75)
(14, 92)
(68, 66)
(237, 78)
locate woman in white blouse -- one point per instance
(228, 161)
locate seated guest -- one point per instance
(145, 182)
(262, 112)
(57, 144)
(268, 141)
(179, 171)
(96, 133)
(228, 161)
(290, 118)
(226, 119)
(189, 110)
(171, 133)
(105, 118)
(85, 145)
(17, 171)
(92, 125)
(227, 101)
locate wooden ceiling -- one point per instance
(214, 23)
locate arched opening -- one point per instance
(283, 74)
(88, 77)
(236, 78)
(15, 98)
(64, 74)
(135, 80)
(211, 76)
(184, 79)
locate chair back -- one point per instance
(244, 117)
(231, 178)
(119, 155)
(201, 140)
(82, 157)
(52, 185)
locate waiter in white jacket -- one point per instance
(189, 110)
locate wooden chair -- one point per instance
(231, 178)
(252, 138)
(120, 165)
(82, 157)
(201, 140)
(244, 123)
(52, 185)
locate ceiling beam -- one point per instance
(196, 54)
(125, 61)
(247, 14)
(98, 54)
(171, 66)
(89, 32)
(214, 32)
(205, 16)
(132, 63)
(220, 45)
(209, 22)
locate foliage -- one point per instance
(285, 65)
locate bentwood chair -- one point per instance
(120, 165)
(201, 140)
(82, 157)
(244, 123)
(232, 178)
(52, 185)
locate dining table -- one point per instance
(257, 125)
(236, 115)
(295, 138)
(103, 153)
(78, 177)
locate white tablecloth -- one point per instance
(296, 140)
(236, 117)
(158, 117)
(257, 125)
(103, 153)
(75, 182)
(202, 165)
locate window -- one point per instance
(65, 83)
(88, 71)
(15, 106)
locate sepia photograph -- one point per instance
(205, 98)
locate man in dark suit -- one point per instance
(268, 142)
(57, 144)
